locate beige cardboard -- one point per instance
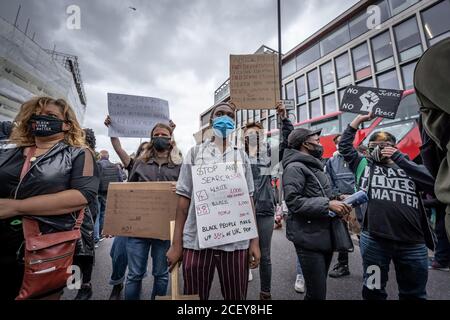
(254, 81)
(140, 209)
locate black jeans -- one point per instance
(315, 266)
(343, 258)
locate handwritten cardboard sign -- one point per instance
(254, 81)
(222, 204)
(135, 116)
(381, 102)
(140, 209)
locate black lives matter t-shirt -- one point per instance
(393, 210)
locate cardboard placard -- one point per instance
(254, 81)
(222, 204)
(362, 100)
(140, 209)
(135, 116)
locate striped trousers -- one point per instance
(199, 267)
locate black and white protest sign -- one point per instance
(381, 102)
(135, 116)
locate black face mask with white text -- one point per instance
(45, 126)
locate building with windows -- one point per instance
(28, 70)
(353, 49)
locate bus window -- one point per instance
(398, 130)
(408, 109)
(329, 127)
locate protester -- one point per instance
(395, 227)
(159, 161)
(109, 172)
(84, 258)
(118, 253)
(259, 154)
(60, 183)
(231, 260)
(307, 192)
(343, 184)
(299, 285)
(432, 85)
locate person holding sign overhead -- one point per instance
(259, 154)
(159, 161)
(395, 226)
(229, 241)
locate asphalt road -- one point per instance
(283, 266)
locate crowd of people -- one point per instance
(52, 175)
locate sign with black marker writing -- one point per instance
(222, 204)
(135, 116)
(363, 100)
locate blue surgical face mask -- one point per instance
(223, 126)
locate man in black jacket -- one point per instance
(307, 192)
(395, 227)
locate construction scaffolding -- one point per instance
(27, 70)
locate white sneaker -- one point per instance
(250, 276)
(299, 284)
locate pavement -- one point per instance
(283, 277)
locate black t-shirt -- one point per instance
(393, 210)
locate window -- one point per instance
(388, 80)
(366, 83)
(314, 109)
(264, 124)
(398, 6)
(335, 40)
(288, 68)
(290, 91)
(272, 112)
(359, 24)
(329, 126)
(437, 22)
(341, 94)
(326, 70)
(257, 115)
(292, 115)
(361, 61)
(383, 54)
(302, 113)
(313, 84)
(346, 119)
(343, 70)
(250, 116)
(263, 114)
(329, 103)
(301, 89)
(307, 57)
(398, 130)
(238, 117)
(408, 75)
(408, 39)
(273, 123)
(408, 109)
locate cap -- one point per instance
(299, 136)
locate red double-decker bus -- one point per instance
(404, 127)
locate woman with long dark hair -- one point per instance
(159, 161)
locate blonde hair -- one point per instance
(149, 151)
(21, 134)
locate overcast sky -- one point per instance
(177, 50)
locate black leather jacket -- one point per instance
(61, 168)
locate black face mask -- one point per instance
(317, 151)
(45, 126)
(161, 143)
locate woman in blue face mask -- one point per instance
(229, 259)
